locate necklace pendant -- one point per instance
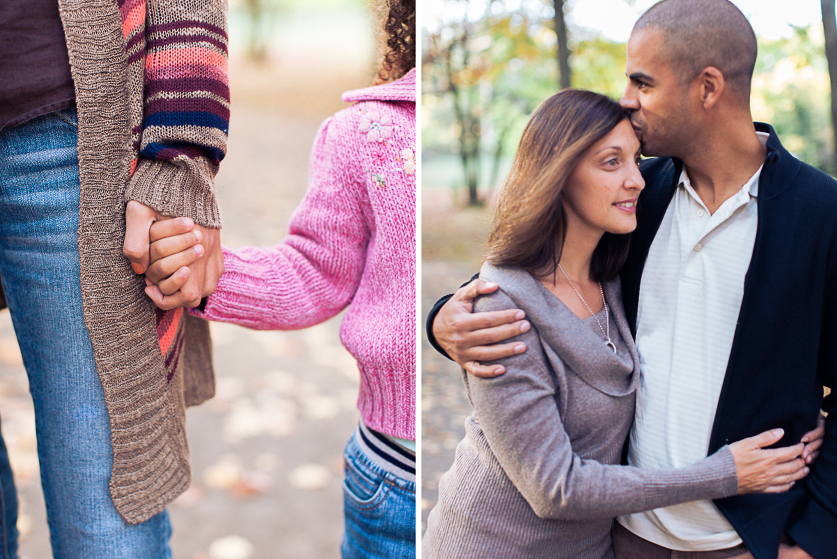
(610, 344)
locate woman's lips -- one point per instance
(628, 206)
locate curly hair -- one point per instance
(400, 28)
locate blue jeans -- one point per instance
(379, 510)
(8, 507)
(39, 267)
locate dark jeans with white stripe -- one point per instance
(379, 508)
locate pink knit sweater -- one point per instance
(351, 240)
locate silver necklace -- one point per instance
(606, 334)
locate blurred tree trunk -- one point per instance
(468, 112)
(829, 24)
(563, 48)
(499, 146)
(257, 41)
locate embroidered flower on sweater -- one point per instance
(409, 157)
(378, 157)
(380, 179)
(376, 126)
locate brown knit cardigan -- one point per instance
(131, 61)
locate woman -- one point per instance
(537, 474)
(102, 102)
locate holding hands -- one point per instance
(181, 261)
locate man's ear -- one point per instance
(712, 86)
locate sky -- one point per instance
(615, 18)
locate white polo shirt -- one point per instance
(690, 295)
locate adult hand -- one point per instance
(792, 552)
(466, 336)
(763, 470)
(813, 441)
(138, 220)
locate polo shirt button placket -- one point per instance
(698, 247)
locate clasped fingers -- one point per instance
(161, 269)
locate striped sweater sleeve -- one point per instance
(186, 109)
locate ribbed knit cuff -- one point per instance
(711, 478)
(387, 401)
(183, 187)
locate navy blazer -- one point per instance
(785, 345)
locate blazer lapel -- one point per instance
(780, 169)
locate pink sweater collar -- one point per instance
(403, 89)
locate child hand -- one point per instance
(175, 244)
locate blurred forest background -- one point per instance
(266, 452)
(487, 64)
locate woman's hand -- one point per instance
(762, 470)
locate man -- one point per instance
(105, 103)
(729, 288)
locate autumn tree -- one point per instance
(492, 71)
(453, 65)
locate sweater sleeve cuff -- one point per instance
(721, 467)
(711, 478)
(222, 304)
(816, 531)
(183, 187)
(726, 469)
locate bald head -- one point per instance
(701, 33)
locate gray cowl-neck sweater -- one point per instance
(538, 472)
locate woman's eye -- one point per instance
(612, 162)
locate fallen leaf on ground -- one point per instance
(231, 547)
(310, 477)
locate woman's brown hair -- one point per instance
(400, 29)
(530, 223)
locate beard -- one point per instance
(655, 142)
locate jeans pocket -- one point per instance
(364, 489)
(68, 115)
